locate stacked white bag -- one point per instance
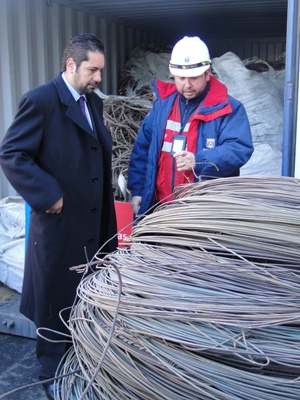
(261, 95)
(12, 242)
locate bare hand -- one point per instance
(135, 204)
(56, 208)
(185, 160)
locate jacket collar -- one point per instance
(216, 102)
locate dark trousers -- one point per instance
(49, 355)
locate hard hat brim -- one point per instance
(189, 72)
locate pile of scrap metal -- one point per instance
(123, 117)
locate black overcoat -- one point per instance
(50, 152)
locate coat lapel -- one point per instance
(96, 108)
(73, 111)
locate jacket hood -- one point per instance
(215, 104)
(219, 90)
(163, 89)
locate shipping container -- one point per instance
(34, 33)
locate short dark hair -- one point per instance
(78, 48)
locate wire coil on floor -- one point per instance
(209, 306)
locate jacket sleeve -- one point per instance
(138, 164)
(233, 147)
(19, 157)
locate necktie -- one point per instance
(81, 102)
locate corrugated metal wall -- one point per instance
(33, 34)
(268, 49)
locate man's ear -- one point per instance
(70, 65)
(207, 74)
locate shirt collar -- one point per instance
(74, 92)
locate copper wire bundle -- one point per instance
(203, 304)
(255, 216)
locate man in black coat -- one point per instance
(59, 161)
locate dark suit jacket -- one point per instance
(50, 152)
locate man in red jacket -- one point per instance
(194, 131)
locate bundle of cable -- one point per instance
(204, 303)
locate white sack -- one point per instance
(12, 217)
(145, 66)
(265, 160)
(12, 242)
(12, 256)
(278, 79)
(259, 95)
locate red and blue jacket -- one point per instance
(223, 146)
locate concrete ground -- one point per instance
(18, 367)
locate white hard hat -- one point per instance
(190, 57)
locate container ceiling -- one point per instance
(209, 19)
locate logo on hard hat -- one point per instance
(187, 59)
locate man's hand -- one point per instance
(185, 160)
(135, 204)
(56, 208)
